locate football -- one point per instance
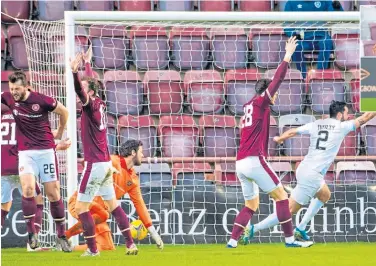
(138, 230)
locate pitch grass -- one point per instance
(331, 254)
(368, 104)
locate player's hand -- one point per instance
(64, 144)
(278, 140)
(374, 49)
(76, 62)
(291, 44)
(88, 55)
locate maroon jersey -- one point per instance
(256, 120)
(9, 155)
(33, 130)
(93, 126)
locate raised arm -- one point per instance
(62, 111)
(280, 74)
(364, 119)
(82, 95)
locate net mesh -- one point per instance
(180, 88)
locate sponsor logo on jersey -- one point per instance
(35, 107)
(129, 183)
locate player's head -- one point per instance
(90, 85)
(132, 148)
(262, 85)
(18, 85)
(338, 110)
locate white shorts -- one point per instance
(254, 172)
(309, 182)
(96, 181)
(10, 183)
(42, 163)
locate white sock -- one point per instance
(289, 239)
(268, 222)
(153, 233)
(233, 242)
(313, 209)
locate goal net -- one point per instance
(180, 86)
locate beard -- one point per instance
(19, 96)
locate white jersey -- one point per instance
(326, 136)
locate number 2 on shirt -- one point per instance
(247, 118)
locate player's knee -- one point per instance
(28, 191)
(252, 204)
(324, 196)
(278, 194)
(81, 207)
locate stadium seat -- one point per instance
(124, 92)
(369, 135)
(150, 48)
(347, 5)
(229, 48)
(191, 174)
(330, 177)
(355, 90)
(140, 128)
(268, 46)
(205, 91)
(372, 27)
(240, 88)
(110, 46)
(15, 9)
(178, 136)
(218, 135)
(135, 5)
(356, 172)
(190, 47)
(250, 5)
(346, 49)
(213, 5)
(291, 94)
(173, 5)
(368, 47)
(365, 2)
(111, 134)
(87, 5)
(53, 10)
(273, 148)
(16, 43)
(285, 172)
(298, 145)
(164, 91)
(323, 86)
(3, 48)
(48, 83)
(225, 174)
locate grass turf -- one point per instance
(368, 104)
(330, 254)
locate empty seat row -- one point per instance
(187, 48)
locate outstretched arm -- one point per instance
(82, 95)
(364, 119)
(286, 135)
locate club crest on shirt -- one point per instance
(317, 4)
(35, 107)
(129, 183)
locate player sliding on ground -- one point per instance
(125, 181)
(251, 167)
(326, 136)
(97, 176)
(10, 179)
(36, 152)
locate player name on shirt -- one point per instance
(327, 127)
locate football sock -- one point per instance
(312, 210)
(123, 223)
(153, 233)
(268, 222)
(38, 218)
(284, 218)
(57, 212)
(29, 209)
(89, 231)
(241, 222)
(4, 214)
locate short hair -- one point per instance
(94, 84)
(262, 85)
(336, 107)
(127, 147)
(16, 76)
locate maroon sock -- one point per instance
(57, 212)
(38, 218)
(284, 217)
(123, 223)
(89, 230)
(29, 209)
(4, 214)
(241, 221)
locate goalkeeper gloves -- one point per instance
(157, 239)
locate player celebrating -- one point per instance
(326, 136)
(251, 166)
(125, 181)
(96, 179)
(36, 154)
(9, 168)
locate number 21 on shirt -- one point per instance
(247, 117)
(6, 129)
